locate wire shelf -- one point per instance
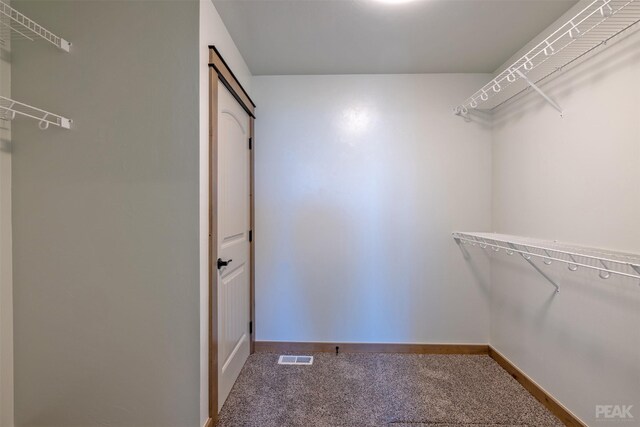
(606, 263)
(16, 26)
(10, 108)
(593, 26)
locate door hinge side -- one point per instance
(251, 235)
(250, 143)
(250, 328)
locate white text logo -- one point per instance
(614, 411)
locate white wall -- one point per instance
(212, 32)
(105, 218)
(6, 280)
(574, 179)
(360, 180)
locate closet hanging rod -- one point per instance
(25, 28)
(9, 108)
(591, 27)
(527, 247)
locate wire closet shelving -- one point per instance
(606, 263)
(591, 27)
(9, 108)
(16, 26)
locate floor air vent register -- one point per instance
(295, 360)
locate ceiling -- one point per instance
(373, 37)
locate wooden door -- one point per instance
(233, 266)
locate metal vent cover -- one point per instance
(287, 359)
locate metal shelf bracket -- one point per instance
(546, 97)
(538, 269)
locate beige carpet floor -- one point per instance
(381, 390)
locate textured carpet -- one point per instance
(452, 425)
(380, 390)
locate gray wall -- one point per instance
(360, 180)
(105, 218)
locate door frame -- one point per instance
(219, 71)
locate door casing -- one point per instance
(219, 71)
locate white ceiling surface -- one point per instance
(279, 37)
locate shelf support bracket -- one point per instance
(538, 269)
(464, 251)
(462, 112)
(636, 268)
(553, 103)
